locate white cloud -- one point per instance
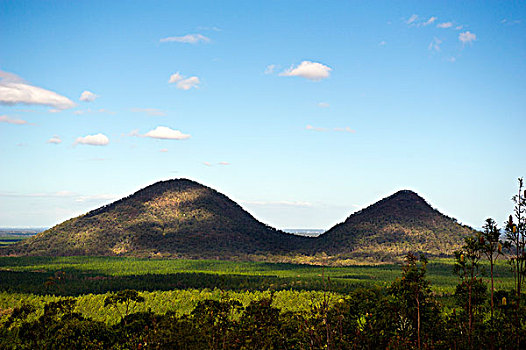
(308, 70)
(88, 96)
(434, 45)
(323, 105)
(187, 39)
(459, 27)
(445, 25)
(207, 163)
(431, 20)
(163, 150)
(9, 120)
(223, 163)
(270, 69)
(346, 129)
(165, 133)
(467, 37)
(182, 83)
(412, 19)
(55, 139)
(382, 43)
(94, 140)
(310, 127)
(89, 111)
(451, 59)
(14, 90)
(150, 111)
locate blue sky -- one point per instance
(301, 111)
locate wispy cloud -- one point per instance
(345, 129)
(434, 45)
(382, 43)
(163, 150)
(467, 37)
(270, 69)
(223, 163)
(55, 139)
(445, 25)
(165, 133)
(207, 164)
(93, 140)
(184, 83)
(323, 105)
(14, 90)
(431, 20)
(309, 70)
(88, 96)
(90, 111)
(412, 19)
(150, 111)
(510, 21)
(187, 39)
(9, 120)
(313, 128)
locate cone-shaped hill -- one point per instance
(401, 223)
(172, 218)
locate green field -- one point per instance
(177, 285)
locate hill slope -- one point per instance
(175, 218)
(392, 227)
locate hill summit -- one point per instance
(401, 223)
(169, 218)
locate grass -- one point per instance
(440, 271)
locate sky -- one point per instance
(301, 111)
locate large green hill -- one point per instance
(169, 218)
(401, 223)
(182, 218)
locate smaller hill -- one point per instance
(401, 223)
(179, 218)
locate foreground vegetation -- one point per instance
(405, 313)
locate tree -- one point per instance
(467, 267)
(127, 297)
(516, 236)
(491, 247)
(413, 291)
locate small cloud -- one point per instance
(323, 105)
(223, 163)
(431, 20)
(434, 45)
(150, 111)
(207, 163)
(467, 37)
(270, 69)
(310, 127)
(9, 120)
(182, 83)
(412, 19)
(54, 110)
(309, 70)
(163, 150)
(346, 129)
(55, 139)
(445, 25)
(451, 59)
(215, 29)
(90, 111)
(382, 43)
(14, 90)
(459, 27)
(165, 133)
(88, 96)
(510, 22)
(93, 140)
(187, 39)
